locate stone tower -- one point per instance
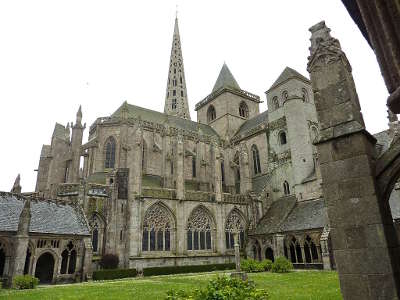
(176, 102)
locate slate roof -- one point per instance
(46, 216)
(59, 131)
(225, 80)
(286, 214)
(288, 73)
(253, 122)
(162, 118)
(383, 141)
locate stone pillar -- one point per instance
(237, 251)
(21, 240)
(245, 177)
(361, 229)
(134, 191)
(180, 237)
(217, 156)
(87, 259)
(180, 171)
(76, 143)
(279, 242)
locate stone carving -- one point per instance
(157, 218)
(199, 220)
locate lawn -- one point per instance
(295, 285)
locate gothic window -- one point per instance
(310, 250)
(234, 224)
(199, 235)
(66, 174)
(286, 188)
(275, 102)
(243, 110)
(110, 153)
(174, 93)
(172, 167)
(295, 251)
(68, 259)
(157, 229)
(173, 103)
(285, 95)
(174, 82)
(222, 172)
(98, 226)
(256, 159)
(144, 156)
(211, 115)
(174, 70)
(237, 172)
(193, 166)
(282, 138)
(181, 93)
(180, 79)
(304, 95)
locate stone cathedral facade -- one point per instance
(159, 189)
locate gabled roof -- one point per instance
(225, 80)
(46, 216)
(145, 114)
(288, 73)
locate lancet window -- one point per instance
(234, 224)
(110, 153)
(68, 262)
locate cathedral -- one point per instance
(158, 189)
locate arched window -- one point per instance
(282, 138)
(194, 167)
(68, 259)
(243, 110)
(295, 251)
(286, 188)
(275, 102)
(98, 228)
(256, 159)
(222, 172)
(234, 224)
(236, 161)
(173, 105)
(157, 227)
(110, 153)
(304, 95)
(144, 156)
(285, 95)
(211, 114)
(199, 230)
(310, 250)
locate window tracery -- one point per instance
(156, 229)
(234, 224)
(211, 114)
(68, 262)
(256, 159)
(199, 230)
(243, 110)
(110, 153)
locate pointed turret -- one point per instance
(176, 102)
(17, 185)
(79, 116)
(225, 80)
(25, 218)
(76, 143)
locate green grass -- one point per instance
(295, 285)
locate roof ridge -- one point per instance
(286, 74)
(225, 79)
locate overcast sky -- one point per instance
(56, 55)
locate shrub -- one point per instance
(109, 261)
(109, 274)
(266, 264)
(251, 266)
(186, 269)
(24, 282)
(222, 287)
(281, 265)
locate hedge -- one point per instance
(108, 274)
(186, 269)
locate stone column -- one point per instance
(279, 240)
(362, 233)
(245, 178)
(180, 228)
(180, 171)
(87, 259)
(217, 156)
(134, 190)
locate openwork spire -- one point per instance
(176, 103)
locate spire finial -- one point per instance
(17, 185)
(176, 11)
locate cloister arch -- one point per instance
(45, 264)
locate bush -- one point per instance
(266, 264)
(251, 266)
(24, 282)
(281, 265)
(109, 274)
(186, 269)
(109, 261)
(222, 287)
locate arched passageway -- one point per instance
(269, 254)
(45, 268)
